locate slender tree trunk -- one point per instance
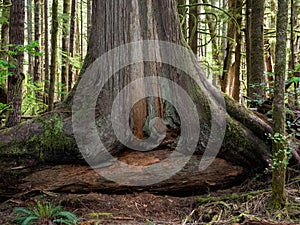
(248, 43)
(278, 198)
(229, 50)
(81, 30)
(77, 39)
(256, 76)
(46, 56)
(212, 31)
(292, 62)
(71, 47)
(54, 32)
(16, 37)
(269, 68)
(5, 31)
(37, 74)
(238, 49)
(65, 48)
(29, 36)
(193, 26)
(89, 17)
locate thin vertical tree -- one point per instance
(71, 42)
(278, 198)
(16, 39)
(5, 31)
(65, 47)
(228, 50)
(89, 17)
(29, 34)
(81, 30)
(256, 76)
(54, 32)
(248, 43)
(216, 54)
(193, 26)
(78, 52)
(292, 62)
(238, 49)
(37, 75)
(46, 50)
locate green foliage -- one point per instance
(29, 48)
(294, 79)
(53, 141)
(278, 138)
(44, 213)
(4, 66)
(32, 103)
(4, 107)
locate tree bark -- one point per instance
(46, 49)
(65, 49)
(16, 39)
(193, 26)
(238, 48)
(37, 73)
(189, 181)
(54, 32)
(225, 87)
(29, 35)
(5, 24)
(256, 76)
(89, 17)
(279, 148)
(51, 137)
(71, 42)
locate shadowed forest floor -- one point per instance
(244, 204)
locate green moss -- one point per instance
(52, 143)
(234, 136)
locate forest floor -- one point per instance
(244, 204)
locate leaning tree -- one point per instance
(139, 87)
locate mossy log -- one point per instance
(50, 138)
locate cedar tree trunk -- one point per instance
(119, 22)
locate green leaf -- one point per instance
(29, 220)
(295, 79)
(22, 210)
(68, 215)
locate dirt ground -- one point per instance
(245, 204)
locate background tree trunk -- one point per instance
(89, 17)
(53, 69)
(71, 42)
(29, 7)
(229, 50)
(238, 49)
(278, 198)
(65, 48)
(46, 49)
(256, 76)
(37, 73)
(193, 26)
(16, 39)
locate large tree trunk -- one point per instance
(51, 137)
